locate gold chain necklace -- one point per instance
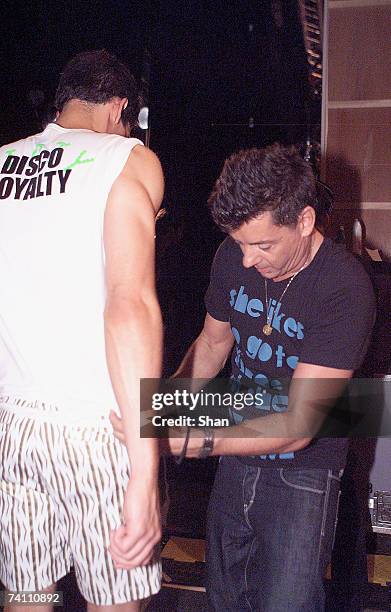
(267, 328)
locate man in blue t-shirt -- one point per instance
(295, 311)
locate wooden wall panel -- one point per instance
(356, 142)
(361, 134)
(359, 53)
(358, 158)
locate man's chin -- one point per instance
(266, 272)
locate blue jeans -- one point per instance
(270, 535)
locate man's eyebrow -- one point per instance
(258, 242)
(263, 242)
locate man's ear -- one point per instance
(307, 219)
(118, 105)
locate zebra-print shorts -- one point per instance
(61, 492)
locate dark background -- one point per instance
(215, 69)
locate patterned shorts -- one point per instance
(61, 492)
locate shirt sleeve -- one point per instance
(217, 294)
(341, 329)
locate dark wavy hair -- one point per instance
(254, 181)
(97, 77)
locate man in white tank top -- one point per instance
(80, 324)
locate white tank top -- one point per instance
(53, 192)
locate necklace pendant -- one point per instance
(267, 329)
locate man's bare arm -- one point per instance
(309, 402)
(203, 361)
(277, 433)
(209, 352)
(313, 391)
(133, 332)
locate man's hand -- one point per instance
(176, 439)
(132, 543)
(173, 444)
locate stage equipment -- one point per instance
(381, 511)
(311, 16)
(143, 117)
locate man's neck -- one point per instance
(77, 115)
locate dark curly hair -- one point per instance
(254, 181)
(97, 77)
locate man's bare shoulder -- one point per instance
(143, 171)
(141, 160)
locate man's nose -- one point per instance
(250, 256)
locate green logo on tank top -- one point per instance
(79, 161)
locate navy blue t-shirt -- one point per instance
(325, 318)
